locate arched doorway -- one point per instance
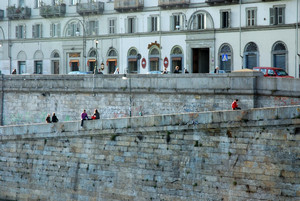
(133, 61)
(154, 55)
(91, 63)
(225, 58)
(279, 55)
(251, 55)
(176, 58)
(112, 61)
(55, 63)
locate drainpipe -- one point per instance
(2, 98)
(297, 40)
(240, 34)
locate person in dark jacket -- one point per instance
(48, 119)
(176, 69)
(54, 118)
(84, 116)
(96, 115)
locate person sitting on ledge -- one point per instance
(234, 105)
(96, 115)
(54, 118)
(84, 116)
(48, 119)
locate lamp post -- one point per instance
(83, 41)
(96, 62)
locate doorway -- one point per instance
(200, 60)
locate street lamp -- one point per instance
(96, 62)
(83, 41)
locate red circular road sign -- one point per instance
(166, 62)
(144, 63)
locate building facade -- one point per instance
(145, 36)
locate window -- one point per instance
(21, 31)
(92, 28)
(153, 24)
(133, 61)
(37, 31)
(225, 19)
(279, 55)
(72, 29)
(73, 2)
(176, 58)
(225, 55)
(131, 25)
(38, 3)
(154, 60)
(38, 67)
(21, 3)
(112, 26)
(198, 21)
(22, 67)
(55, 30)
(277, 15)
(251, 16)
(251, 55)
(176, 22)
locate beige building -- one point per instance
(144, 36)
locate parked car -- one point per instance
(80, 73)
(272, 72)
(220, 72)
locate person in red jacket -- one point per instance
(234, 105)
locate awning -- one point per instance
(74, 61)
(176, 58)
(132, 59)
(115, 60)
(154, 59)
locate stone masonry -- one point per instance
(28, 98)
(212, 156)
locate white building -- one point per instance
(143, 36)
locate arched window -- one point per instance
(132, 60)
(92, 53)
(251, 55)
(225, 56)
(176, 58)
(154, 56)
(56, 55)
(279, 55)
(112, 61)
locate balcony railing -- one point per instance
(53, 11)
(15, 13)
(1, 14)
(218, 2)
(90, 8)
(127, 5)
(173, 3)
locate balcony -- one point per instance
(173, 3)
(1, 14)
(221, 2)
(129, 5)
(53, 11)
(90, 8)
(16, 13)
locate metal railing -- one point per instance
(128, 4)
(88, 8)
(172, 2)
(18, 12)
(51, 11)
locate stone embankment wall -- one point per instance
(225, 155)
(28, 98)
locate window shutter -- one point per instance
(127, 25)
(24, 31)
(281, 15)
(134, 26)
(51, 30)
(17, 31)
(58, 30)
(33, 31)
(172, 23)
(181, 22)
(158, 23)
(203, 21)
(69, 29)
(97, 27)
(149, 24)
(194, 24)
(41, 27)
(229, 19)
(272, 16)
